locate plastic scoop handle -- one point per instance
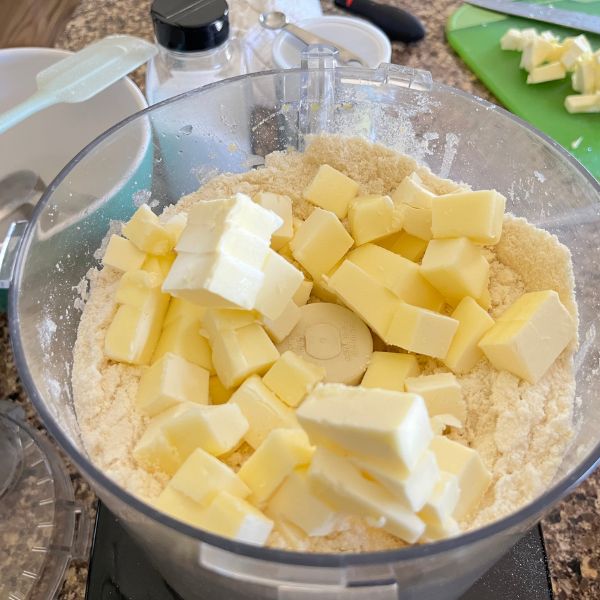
(83, 75)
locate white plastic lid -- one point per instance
(356, 35)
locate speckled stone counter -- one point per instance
(572, 530)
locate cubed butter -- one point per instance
(159, 264)
(182, 309)
(291, 378)
(416, 200)
(575, 47)
(535, 52)
(122, 254)
(279, 328)
(584, 78)
(320, 242)
(175, 226)
(440, 423)
(281, 206)
(154, 451)
(442, 394)
(373, 217)
(583, 103)
(135, 288)
(331, 190)
(389, 370)
(303, 293)
(145, 231)
(181, 507)
(549, 72)
(217, 392)
(442, 501)
(217, 320)
(473, 322)
(512, 40)
(404, 244)
(280, 453)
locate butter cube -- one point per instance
(440, 531)
(466, 464)
(182, 309)
(303, 293)
(404, 244)
(279, 328)
(146, 232)
(456, 268)
(548, 72)
(323, 291)
(442, 501)
(416, 201)
(170, 381)
(512, 40)
(320, 242)
(281, 206)
(331, 190)
(295, 501)
(398, 274)
(175, 226)
(217, 320)
(535, 52)
(239, 353)
(574, 48)
(160, 265)
(584, 74)
(373, 217)
(583, 103)
(339, 483)
(442, 394)
(473, 322)
(135, 288)
(217, 392)
(202, 476)
(389, 370)
(180, 507)
(155, 452)
(291, 378)
(262, 409)
(279, 454)
(420, 330)
(439, 423)
(375, 423)
(232, 517)
(475, 215)
(368, 298)
(121, 254)
(530, 335)
(281, 281)
(216, 429)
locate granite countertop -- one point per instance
(572, 529)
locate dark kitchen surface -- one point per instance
(572, 530)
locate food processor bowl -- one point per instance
(229, 127)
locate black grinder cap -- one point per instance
(190, 25)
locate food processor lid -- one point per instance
(190, 25)
(41, 527)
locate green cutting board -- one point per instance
(475, 35)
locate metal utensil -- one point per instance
(19, 193)
(276, 20)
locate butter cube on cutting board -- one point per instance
(548, 72)
(583, 103)
(170, 381)
(475, 215)
(296, 502)
(456, 268)
(466, 464)
(146, 232)
(442, 394)
(398, 274)
(339, 483)
(370, 423)
(122, 254)
(473, 322)
(202, 476)
(535, 52)
(584, 78)
(389, 370)
(262, 409)
(420, 330)
(404, 244)
(239, 353)
(291, 378)
(416, 201)
(575, 47)
(281, 206)
(277, 456)
(373, 217)
(320, 242)
(530, 335)
(331, 190)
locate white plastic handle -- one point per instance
(9, 250)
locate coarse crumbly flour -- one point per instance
(521, 430)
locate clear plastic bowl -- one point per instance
(230, 126)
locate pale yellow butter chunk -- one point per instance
(370, 423)
(465, 463)
(281, 282)
(529, 336)
(279, 328)
(473, 322)
(291, 378)
(440, 423)
(339, 483)
(302, 294)
(411, 488)
(160, 265)
(295, 502)
(535, 52)
(475, 215)
(217, 392)
(239, 353)
(146, 232)
(416, 201)
(442, 394)
(512, 40)
(170, 381)
(136, 287)
(181, 507)
(202, 476)
(404, 244)
(583, 103)
(216, 429)
(232, 517)
(586, 74)
(389, 370)
(440, 531)
(420, 330)
(262, 409)
(442, 501)
(175, 226)
(366, 296)
(217, 320)
(182, 309)
(548, 72)
(398, 274)
(281, 206)
(122, 254)
(320, 242)
(280, 453)
(331, 190)
(155, 452)
(574, 48)
(456, 268)
(373, 217)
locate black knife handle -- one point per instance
(396, 23)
